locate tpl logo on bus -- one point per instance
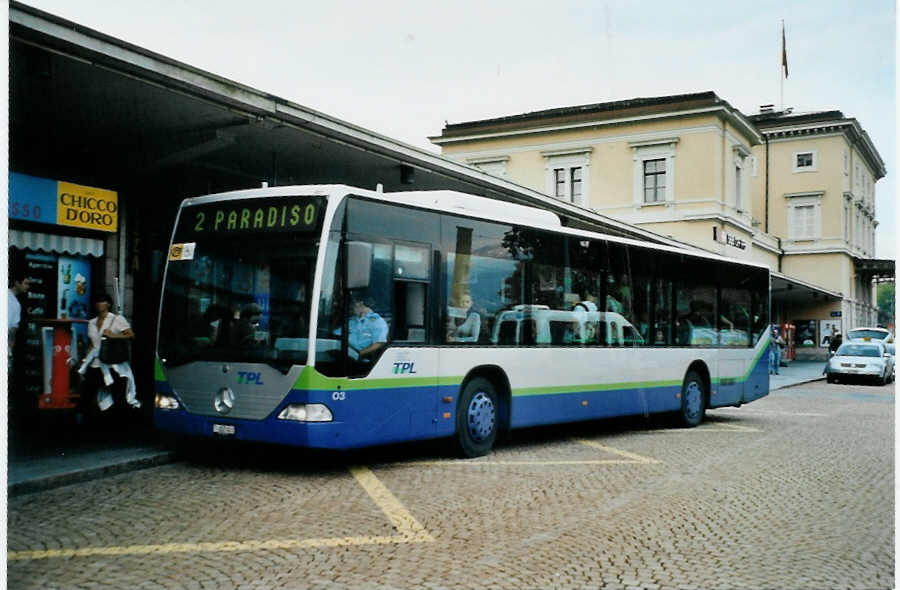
(247, 378)
(404, 368)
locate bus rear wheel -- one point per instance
(693, 400)
(476, 418)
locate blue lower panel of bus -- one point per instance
(363, 417)
(379, 416)
(533, 410)
(757, 383)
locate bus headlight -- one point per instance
(306, 413)
(166, 402)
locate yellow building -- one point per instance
(794, 192)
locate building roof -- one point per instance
(605, 112)
(186, 116)
(787, 123)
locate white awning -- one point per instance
(51, 243)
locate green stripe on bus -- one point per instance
(158, 373)
(526, 391)
(311, 379)
(755, 360)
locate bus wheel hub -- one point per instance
(481, 417)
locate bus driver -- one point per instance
(368, 330)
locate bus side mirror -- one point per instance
(359, 264)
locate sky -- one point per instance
(404, 68)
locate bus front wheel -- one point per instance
(476, 418)
(693, 400)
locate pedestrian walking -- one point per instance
(100, 388)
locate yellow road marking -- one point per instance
(476, 463)
(408, 528)
(781, 412)
(210, 547)
(733, 428)
(721, 428)
(399, 516)
(635, 458)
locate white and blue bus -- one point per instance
(475, 317)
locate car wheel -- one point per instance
(693, 400)
(829, 378)
(476, 418)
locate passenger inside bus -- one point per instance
(464, 324)
(246, 331)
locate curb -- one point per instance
(41, 484)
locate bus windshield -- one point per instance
(238, 297)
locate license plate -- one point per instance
(225, 429)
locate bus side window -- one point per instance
(410, 318)
(411, 272)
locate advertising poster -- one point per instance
(41, 272)
(37, 304)
(805, 336)
(73, 288)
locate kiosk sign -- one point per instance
(54, 202)
(87, 207)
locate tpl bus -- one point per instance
(474, 316)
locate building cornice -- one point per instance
(731, 115)
(850, 128)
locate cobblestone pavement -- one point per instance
(792, 491)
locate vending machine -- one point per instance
(788, 332)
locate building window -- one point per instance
(846, 222)
(805, 161)
(737, 188)
(575, 183)
(568, 174)
(653, 170)
(804, 215)
(567, 184)
(654, 180)
(559, 175)
(494, 165)
(804, 221)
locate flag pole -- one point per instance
(781, 70)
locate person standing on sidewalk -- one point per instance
(18, 286)
(775, 352)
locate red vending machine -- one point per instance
(788, 331)
(61, 340)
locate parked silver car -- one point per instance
(861, 360)
(869, 334)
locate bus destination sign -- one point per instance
(284, 214)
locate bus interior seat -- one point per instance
(507, 334)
